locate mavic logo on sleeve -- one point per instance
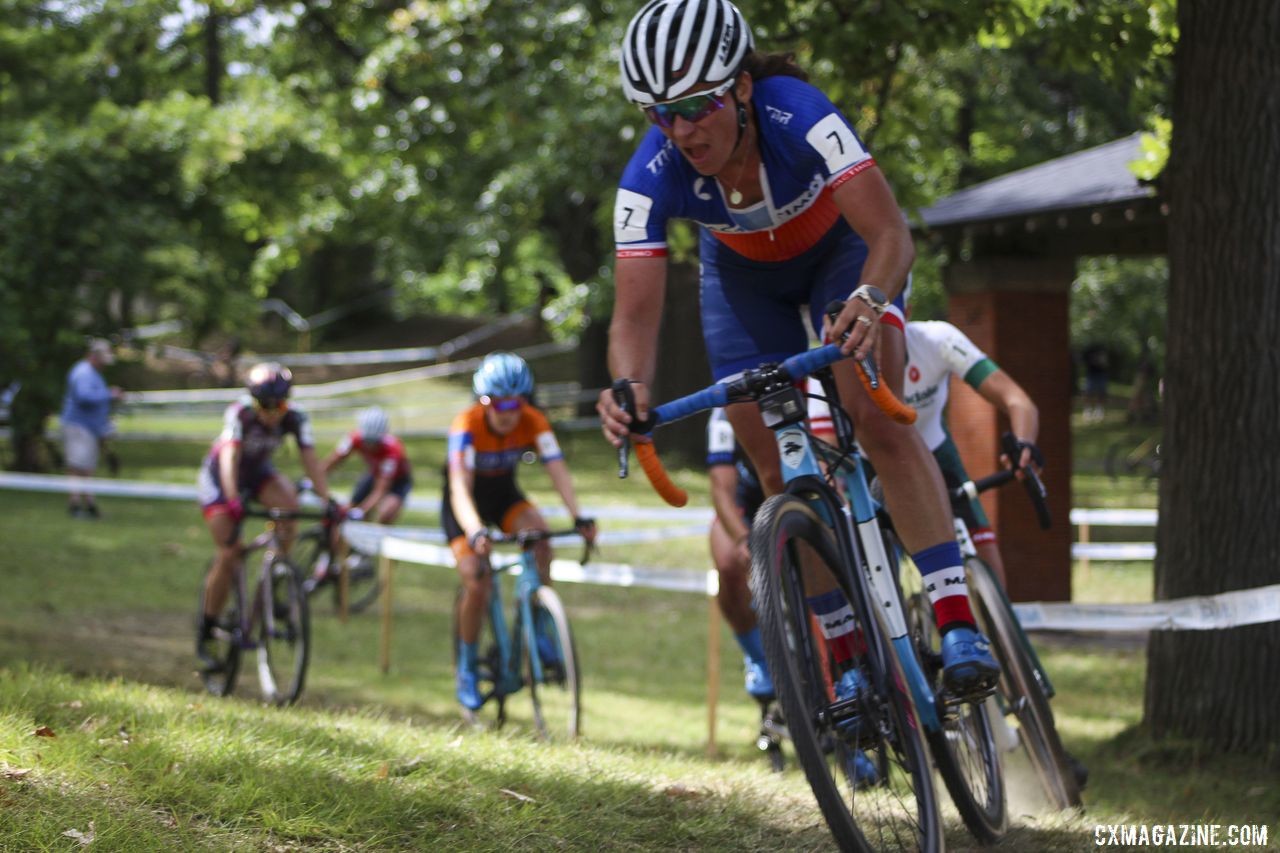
(631, 216)
(835, 141)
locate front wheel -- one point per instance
(284, 636)
(1022, 692)
(555, 685)
(893, 807)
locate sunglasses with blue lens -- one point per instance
(692, 109)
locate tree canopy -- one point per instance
(177, 159)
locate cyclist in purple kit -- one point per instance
(239, 466)
(793, 211)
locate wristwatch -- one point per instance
(873, 297)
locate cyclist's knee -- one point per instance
(733, 574)
(225, 559)
(879, 435)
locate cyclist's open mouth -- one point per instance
(697, 155)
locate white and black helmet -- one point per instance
(372, 423)
(672, 46)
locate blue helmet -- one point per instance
(503, 374)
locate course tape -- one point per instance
(1201, 613)
(370, 538)
(694, 519)
(1115, 517)
(1113, 550)
(341, 386)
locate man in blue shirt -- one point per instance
(86, 420)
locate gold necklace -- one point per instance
(735, 197)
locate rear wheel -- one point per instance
(363, 584)
(557, 693)
(223, 648)
(284, 636)
(1022, 693)
(898, 810)
(964, 749)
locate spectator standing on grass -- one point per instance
(86, 421)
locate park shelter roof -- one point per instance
(1086, 203)
(1089, 178)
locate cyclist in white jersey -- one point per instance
(936, 351)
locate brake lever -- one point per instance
(626, 398)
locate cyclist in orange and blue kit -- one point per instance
(486, 442)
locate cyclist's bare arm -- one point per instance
(332, 461)
(228, 468)
(866, 202)
(1001, 391)
(640, 289)
(558, 471)
(311, 464)
(462, 483)
(381, 486)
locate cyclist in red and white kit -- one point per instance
(238, 467)
(380, 493)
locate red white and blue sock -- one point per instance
(942, 571)
(838, 624)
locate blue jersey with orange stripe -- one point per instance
(807, 149)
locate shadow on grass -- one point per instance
(327, 782)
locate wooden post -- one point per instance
(713, 671)
(1084, 557)
(344, 578)
(386, 569)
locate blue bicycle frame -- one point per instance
(508, 679)
(857, 526)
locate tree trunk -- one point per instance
(1219, 499)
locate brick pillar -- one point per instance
(1016, 310)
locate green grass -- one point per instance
(96, 644)
(99, 650)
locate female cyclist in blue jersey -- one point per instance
(793, 212)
